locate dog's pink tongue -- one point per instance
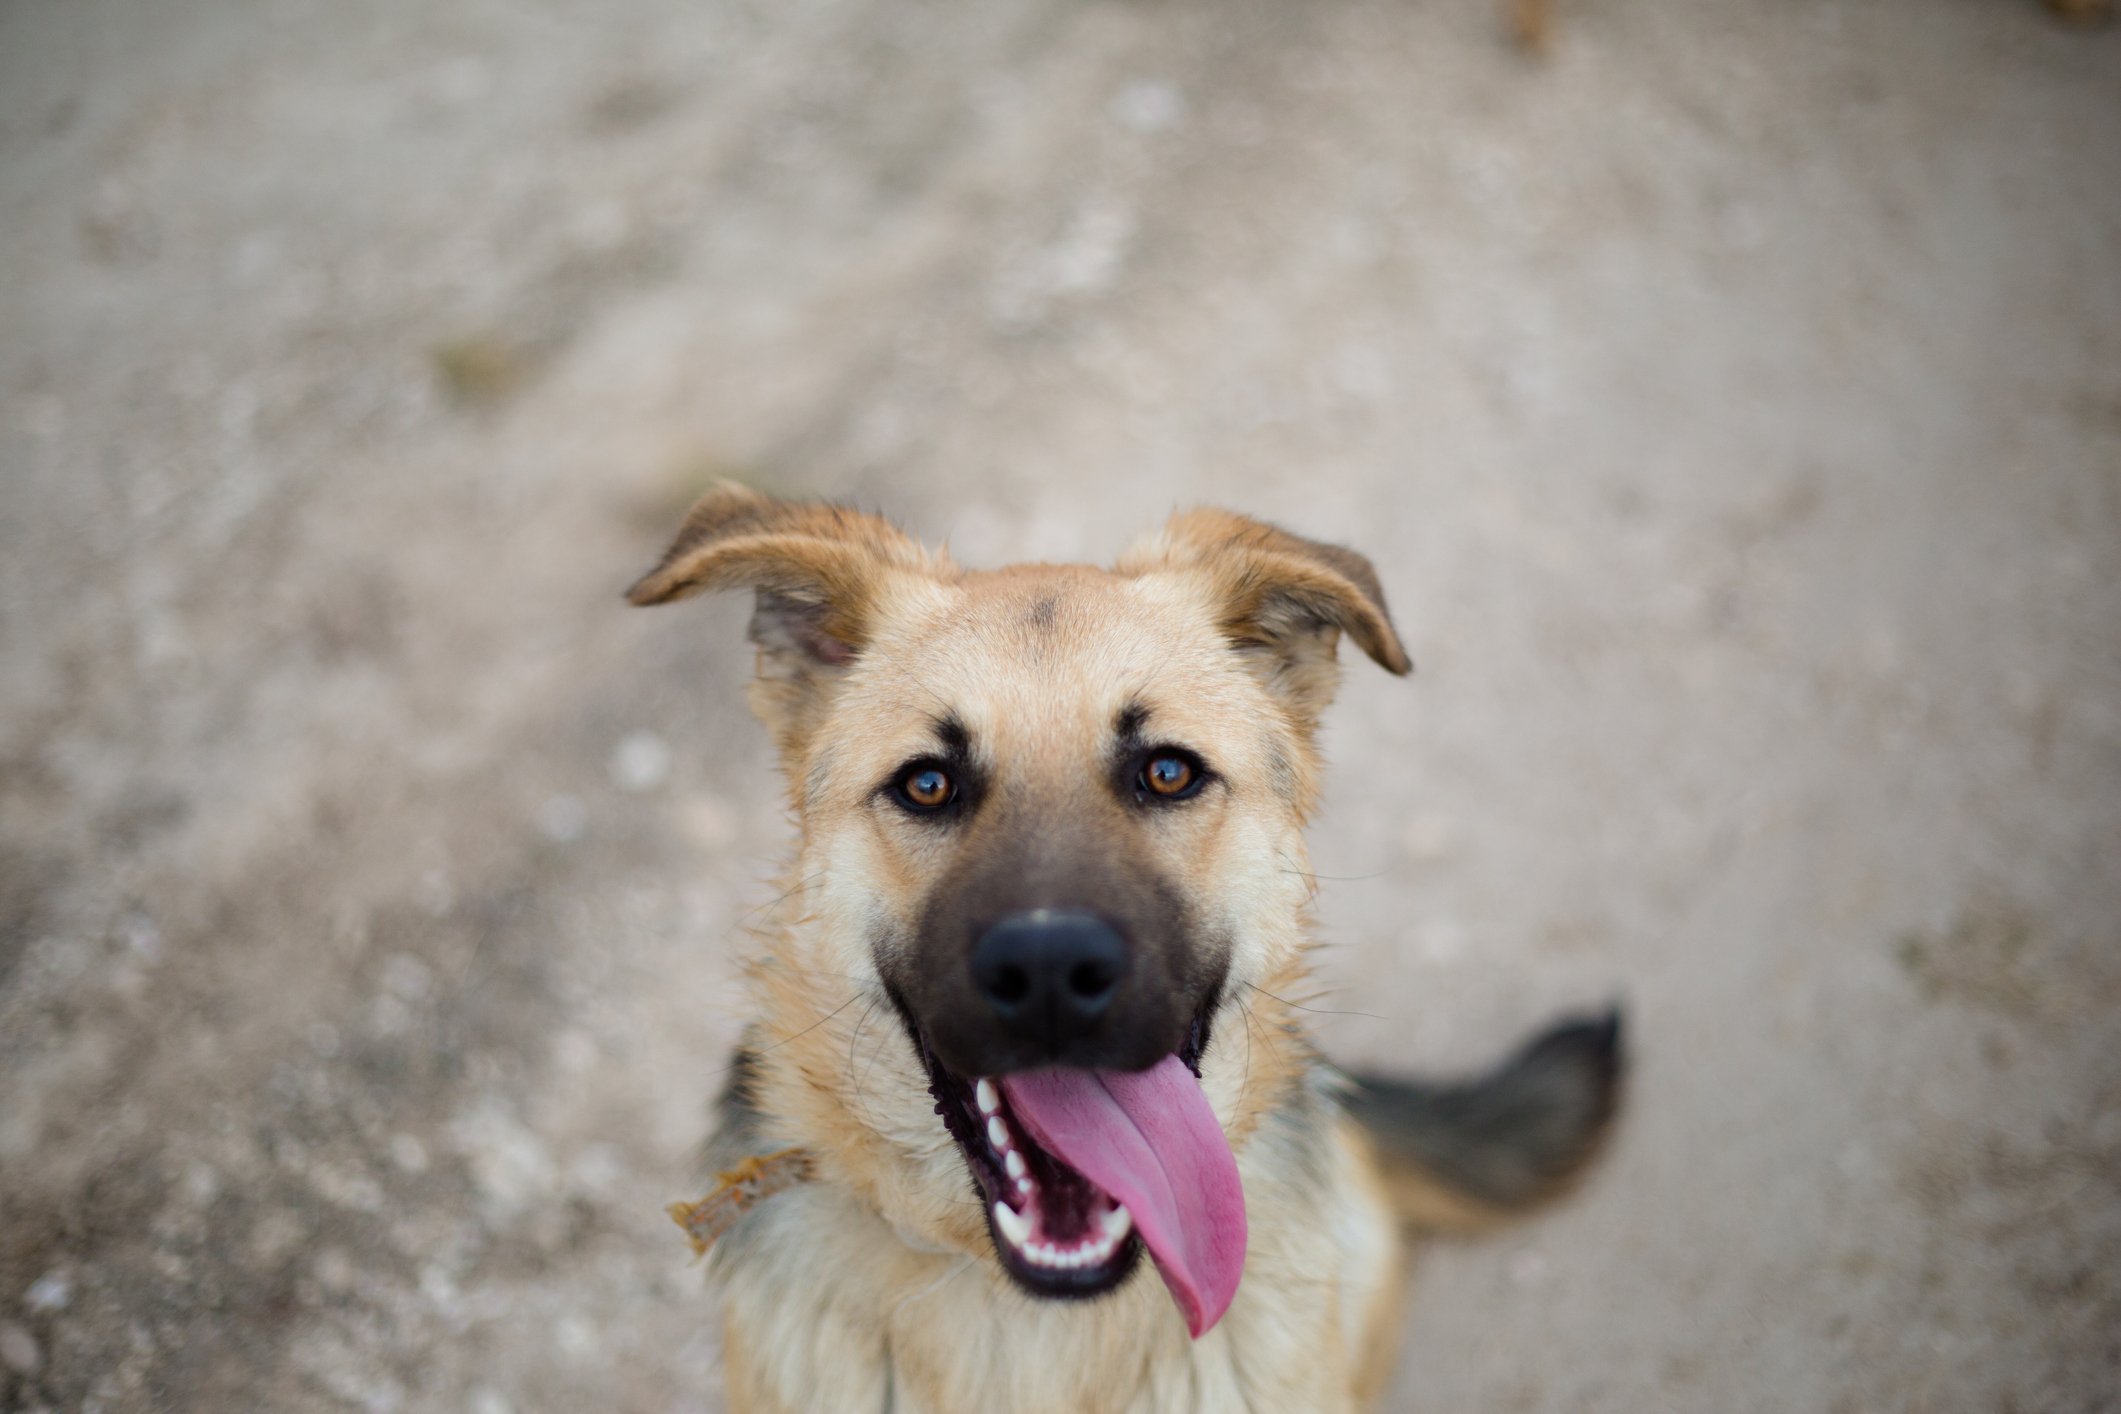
(1150, 1140)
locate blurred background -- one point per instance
(1730, 395)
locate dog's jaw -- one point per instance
(1053, 1232)
(1020, 1218)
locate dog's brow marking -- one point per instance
(1132, 718)
(952, 734)
(1044, 612)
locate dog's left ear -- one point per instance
(1282, 599)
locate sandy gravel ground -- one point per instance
(1732, 400)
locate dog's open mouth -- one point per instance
(1080, 1169)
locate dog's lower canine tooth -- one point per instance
(1116, 1223)
(1014, 1226)
(987, 1097)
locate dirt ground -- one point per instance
(1731, 399)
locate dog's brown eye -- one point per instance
(927, 788)
(1169, 776)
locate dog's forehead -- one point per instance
(1037, 649)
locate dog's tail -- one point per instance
(1463, 1156)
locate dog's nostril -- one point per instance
(1090, 980)
(1009, 984)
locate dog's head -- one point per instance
(1053, 814)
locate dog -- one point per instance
(1022, 1008)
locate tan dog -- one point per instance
(1021, 1005)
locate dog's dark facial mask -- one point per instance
(1054, 937)
(1054, 815)
(1061, 994)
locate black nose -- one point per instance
(1050, 973)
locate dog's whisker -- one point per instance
(876, 1052)
(770, 904)
(855, 1040)
(763, 1050)
(1315, 1010)
(781, 965)
(1245, 1086)
(1340, 878)
(1314, 876)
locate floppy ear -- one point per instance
(1283, 600)
(817, 571)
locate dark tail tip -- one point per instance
(1514, 1137)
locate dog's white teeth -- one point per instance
(998, 1134)
(1014, 1227)
(988, 1098)
(1014, 1162)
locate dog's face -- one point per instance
(1038, 792)
(1052, 814)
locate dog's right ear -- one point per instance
(817, 571)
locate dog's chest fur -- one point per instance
(827, 1307)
